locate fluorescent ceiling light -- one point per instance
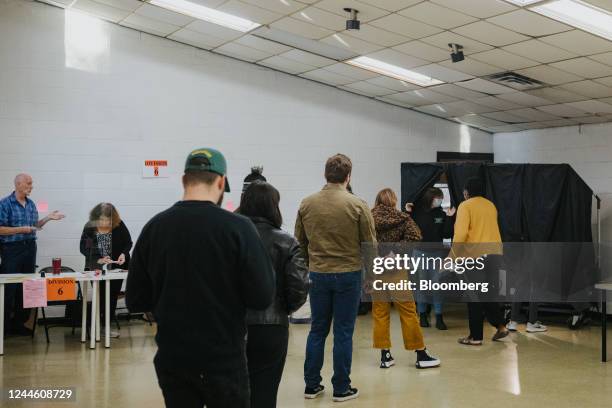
(207, 14)
(523, 2)
(578, 14)
(393, 71)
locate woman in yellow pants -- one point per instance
(393, 225)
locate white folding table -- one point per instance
(604, 286)
(84, 277)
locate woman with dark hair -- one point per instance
(392, 225)
(268, 330)
(436, 225)
(105, 241)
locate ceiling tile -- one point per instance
(283, 7)
(556, 95)
(351, 43)
(468, 107)
(532, 114)
(215, 30)
(196, 39)
(604, 4)
(482, 85)
(457, 91)
(166, 16)
(584, 67)
(431, 95)
(405, 26)
(529, 23)
(377, 35)
(301, 28)
(366, 11)
(562, 110)
(307, 58)
(539, 51)
(607, 81)
(391, 56)
(148, 25)
(367, 88)
(478, 120)
(394, 101)
(592, 106)
(473, 67)
(504, 59)
(525, 99)
(261, 44)
(605, 58)
(127, 5)
(509, 128)
(589, 88)
(549, 75)
(593, 119)
(490, 34)
(409, 98)
(328, 77)
(496, 103)
(579, 42)
(423, 50)
(286, 65)
(235, 50)
(250, 12)
(443, 39)
(100, 10)
(442, 73)
(358, 74)
(477, 8)
(436, 15)
(504, 117)
(392, 83)
(321, 18)
(552, 123)
(392, 5)
(436, 110)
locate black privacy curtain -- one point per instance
(535, 202)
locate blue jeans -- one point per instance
(422, 299)
(332, 296)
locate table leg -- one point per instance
(1, 319)
(604, 328)
(98, 311)
(84, 312)
(94, 299)
(107, 314)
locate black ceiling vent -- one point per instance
(516, 81)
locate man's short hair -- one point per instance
(338, 168)
(474, 187)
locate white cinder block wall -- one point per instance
(84, 134)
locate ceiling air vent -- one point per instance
(516, 81)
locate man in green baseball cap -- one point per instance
(198, 267)
(207, 160)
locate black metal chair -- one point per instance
(49, 271)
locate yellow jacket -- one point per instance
(476, 223)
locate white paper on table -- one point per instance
(34, 293)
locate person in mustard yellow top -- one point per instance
(477, 234)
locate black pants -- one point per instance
(185, 388)
(17, 257)
(266, 354)
(477, 311)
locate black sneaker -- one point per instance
(352, 393)
(440, 325)
(424, 319)
(426, 360)
(314, 392)
(386, 359)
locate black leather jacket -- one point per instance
(291, 275)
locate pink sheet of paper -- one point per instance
(34, 293)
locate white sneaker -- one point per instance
(536, 327)
(512, 325)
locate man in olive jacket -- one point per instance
(330, 226)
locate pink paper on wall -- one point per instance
(34, 293)
(42, 206)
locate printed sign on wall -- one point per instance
(155, 169)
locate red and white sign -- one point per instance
(155, 169)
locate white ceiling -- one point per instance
(498, 36)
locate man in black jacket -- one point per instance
(198, 267)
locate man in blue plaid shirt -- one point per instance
(18, 224)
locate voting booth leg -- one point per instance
(1, 319)
(84, 312)
(94, 299)
(97, 311)
(107, 314)
(604, 328)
